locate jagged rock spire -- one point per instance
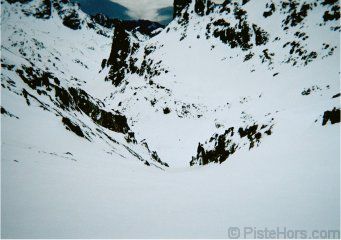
(119, 53)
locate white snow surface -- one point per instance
(58, 185)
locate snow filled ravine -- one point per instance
(227, 117)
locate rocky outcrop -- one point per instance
(270, 9)
(71, 20)
(122, 61)
(333, 116)
(70, 100)
(220, 147)
(103, 20)
(122, 44)
(7, 113)
(67, 11)
(74, 99)
(296, 13)
(178, 6)
(200, 6)
(44, 11)
(119, 54)
(113, 122)
(239, 36)
(234, 28)
(72, 127)
(38, 78)
(243, 34)
(223, 148)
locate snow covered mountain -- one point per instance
(233, 65)
(52, 72)
(251, 85)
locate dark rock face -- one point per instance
(157, 159)
(119, 55)
(73, 99)
(243, 34)
(333, 116)
(252, 134)
(71, 20)
(166, 110)
(66, 10)
(72, 127)
(299, 54)
(261, 37)
(336, 95)
(34, 78)
(44, 10)
(239, 36)
(296, 12)
(180, 5)
(270, 9)
(310, 90)
(333, 13)
(113, 122)
(121, 60)
(222, 150)
(228, 143)
(200, 6)
(148, 68)
(210, 7)
(103, 20)
(235, 29)
(5, 112)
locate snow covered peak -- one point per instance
(51, 57)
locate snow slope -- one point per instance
(85, 179)
(100, 198)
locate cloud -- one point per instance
(154, 10)
(167, 14)
(107, 7)
(147, 9)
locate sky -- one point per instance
(147, 9)
(154, 10)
